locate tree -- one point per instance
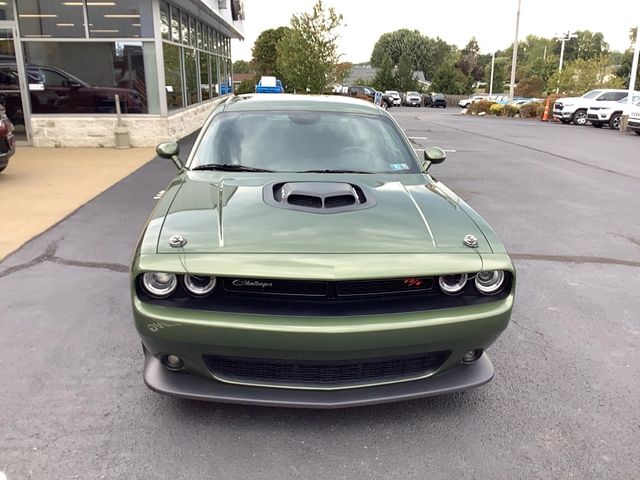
(241, 66)
(342, 71)
(530, 87)
(385, 79)
(624, 67)
(246, 86)
(499, 75)
(448, 79)
(468, 61)
(581, 76)
(404, 75)
(425, 53)
(307, 54)
(264, 52)
(585, 46)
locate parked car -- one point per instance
(269, 84)
(368, 93)
(608, 113)
(574, 109)
(438, 100)
(634, 120)
(466, 102)
(53, 90)
(304, 256)
(395, 97)
(412, 99)
(7, 139)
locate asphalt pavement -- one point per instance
(563, 404)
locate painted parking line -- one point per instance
(418, 138)
(450, 151)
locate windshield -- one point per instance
(592, 94)
(415, 94)
(298, 141)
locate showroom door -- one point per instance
(13, 91)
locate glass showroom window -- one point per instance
(60, 82)
(175, 25)
(133, 18)
(172, 75)
(205, 83)
(6, 11)
(191, 76)
(51, 18)
(164, 21)
(215, 87)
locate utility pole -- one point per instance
(564, 38)
(632, 85)
(514, 60)
(493, 62)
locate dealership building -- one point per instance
(63, 63)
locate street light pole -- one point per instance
(493, 62)
(632, 85)
(564, 38)
(514, 59)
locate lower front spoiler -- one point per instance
(184, 385)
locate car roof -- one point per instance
(284, 101)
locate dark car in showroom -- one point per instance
(7, 139)
(303, 256)
(53, 90)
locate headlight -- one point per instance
(159, 284)
(199, 285)
(452, 284)
(489, 283)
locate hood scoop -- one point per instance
(318, 197)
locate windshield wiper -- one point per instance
(229, 167)
(334, 171)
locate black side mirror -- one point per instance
(433, 156)
(170, 150)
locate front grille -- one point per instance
(310, 298)
(324, 373)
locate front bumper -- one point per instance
(562, 114)
(191, 334)
(184, 385)
(634, 125)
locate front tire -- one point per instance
(579, 118)
(2, 168)
(614, 121)
(637, 132)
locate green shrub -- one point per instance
(496, 109)
(479, 107)
(509, 110)
(532, 110)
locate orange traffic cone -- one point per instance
(545, 115)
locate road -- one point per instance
(563, 404)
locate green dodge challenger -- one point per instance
(303, 256)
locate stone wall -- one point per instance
(144, 130)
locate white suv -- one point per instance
(574, 109)
(395, 97)
(634, 119)
(609, 113)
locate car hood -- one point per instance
(564, 100)
(228, 214)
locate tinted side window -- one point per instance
(620, 95)
(608, 97)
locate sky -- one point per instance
(492, 22)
